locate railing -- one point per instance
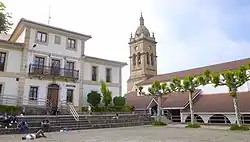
(48, 106)
(70, 108)
(50, 71)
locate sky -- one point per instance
(190, 33)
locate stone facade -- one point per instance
(143, 62)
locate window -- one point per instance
(39, 65)
(69, 68)
(33, 93)
(147, 58)
(41, 37)
(1, 88)
(57, 39)
(39, 61)
(2, 60)
(71, 43)
(94, 73)
(134, 59)
(70, 93)
(152, 59)
(55, 67)
(70, 65)
(108, 75)
(139, 58)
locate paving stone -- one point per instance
(139, 134)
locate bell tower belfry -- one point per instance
(143, 62)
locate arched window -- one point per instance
(139, 58)
(152, 59)
(134, 59)
(147, 58)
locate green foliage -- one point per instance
(5, 24)
(119, 101)
(232, 79)
(159, 89)
(9, 109)
(195, 125)
(158, 123)
(110, 109)
(239, 128)
(106, 94)
(94, 98)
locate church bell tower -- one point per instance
(143, 62)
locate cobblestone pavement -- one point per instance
(140, 134)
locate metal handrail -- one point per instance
(71, 109)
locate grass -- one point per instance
(236, 127)
(158, 123)
(195, 125)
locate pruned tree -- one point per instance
(119, 101)
(159, 89)
(5, 23)
(187, 84)
(233, 80)
(106, 94)
(94, 98)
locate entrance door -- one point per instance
(52, 96)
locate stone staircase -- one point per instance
(85, 122)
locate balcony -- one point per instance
(53, 72)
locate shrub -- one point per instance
(94, 98)
(239, 128)
(195, 125)
(158, 123)
(119, 101)
(9, 109)
(84, 109)
(106, 94)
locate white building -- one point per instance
(43, 64)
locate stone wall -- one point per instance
(85, 122)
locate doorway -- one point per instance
(52, 96)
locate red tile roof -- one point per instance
(222, 102)
(197, 71)
(139, 102)
(177, 99)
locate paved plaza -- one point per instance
(140, 134)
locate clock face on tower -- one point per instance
(149, 48)
(136, 48)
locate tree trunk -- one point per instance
(191, 107)
(236, 109)
(159, 109)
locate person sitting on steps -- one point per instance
(38, 134)
(23, 126)
(45, 124)
(116, 116)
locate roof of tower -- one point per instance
(142, 29)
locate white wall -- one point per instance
(55, 48)
(9, 90)
(115, 72)
(88, 88)
(21, 38)
(206, 115)
(10, 86)
(42, 90)
(210, 89)
(13, 60)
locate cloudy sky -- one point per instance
(190, 33)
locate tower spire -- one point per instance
(141, 20)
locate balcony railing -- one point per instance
(49, 71)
